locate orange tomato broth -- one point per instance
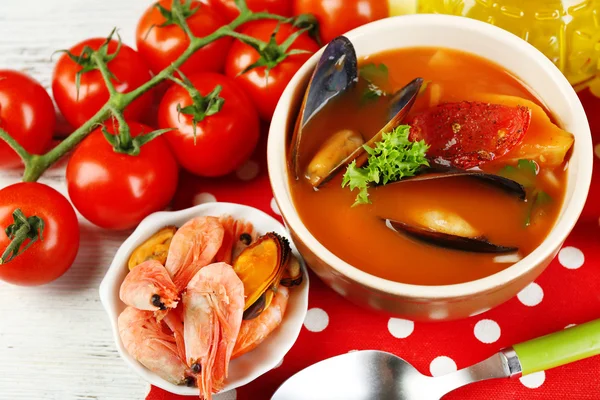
(358, 236)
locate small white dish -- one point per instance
(246, 368)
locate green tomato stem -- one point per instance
(36, 165)
(15, 243)
(97, 57)
(20, 150)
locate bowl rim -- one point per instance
(571, 209)
(111, 280)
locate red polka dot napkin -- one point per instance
(566, 293)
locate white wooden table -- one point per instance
(55, 340)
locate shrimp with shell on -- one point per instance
(150, 342)
(149, 287)
(193, 246)
(213, 305)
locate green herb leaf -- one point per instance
(539, 199)
(525, 172)
(376, 75)
(372, 92)
(372, 72)
(528, 167)
(393, 158)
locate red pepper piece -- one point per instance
(468, 134)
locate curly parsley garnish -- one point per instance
(392, 159)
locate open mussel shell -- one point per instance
(256, 308)
(400, 105)
(437, 171)
(472, 244)
(293, 273)
(260, 268)
(335, 73)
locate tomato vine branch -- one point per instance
(36, 165)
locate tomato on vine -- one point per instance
(264, 70)
(217, 126)
(39, 235)
(115, 190)
(160, 40)
(337, 17)
(26, 113)
(229, 10)
(79, 89)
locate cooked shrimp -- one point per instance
(254, 331)
(174, 320)
(193, 246)
(213, 306)
(149, 342)
(149, 287)
(238, 235)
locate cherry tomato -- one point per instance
(266, 89)
(117, 191)
(224, 140)
(229, 10)
(161, 46)
(129, 70)
(47, 259)
(468, 134)
(26, 113)
(337, 17)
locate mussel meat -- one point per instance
(155, 248)
(261, 266)
(293, 273)
(450, 231)
(334, 74)
(335, 150)
(400, 105)
(437, 171)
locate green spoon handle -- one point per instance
(560, 348)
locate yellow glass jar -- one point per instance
(566, 31)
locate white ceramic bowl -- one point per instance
(514, 55)
(245, 368)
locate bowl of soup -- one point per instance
(429, 166)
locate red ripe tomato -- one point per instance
(224, 140)
(266, 89)
(46, 259)
(129, 70)
(229, 10)
(161, 46)
(337, 17)
(26, 113)
(117, 191)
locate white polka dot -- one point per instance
(487, 331)
(352, 351)
(442, 365)
(570, 326)
(248, 171)
(316, 320)
(274, 206)
(400, 328)
(202, 198)
(228, 395)
(278, 364)
(533, 381)
(597, 150)
(571, 257)
(531, 295)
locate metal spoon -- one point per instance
(371, 374)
